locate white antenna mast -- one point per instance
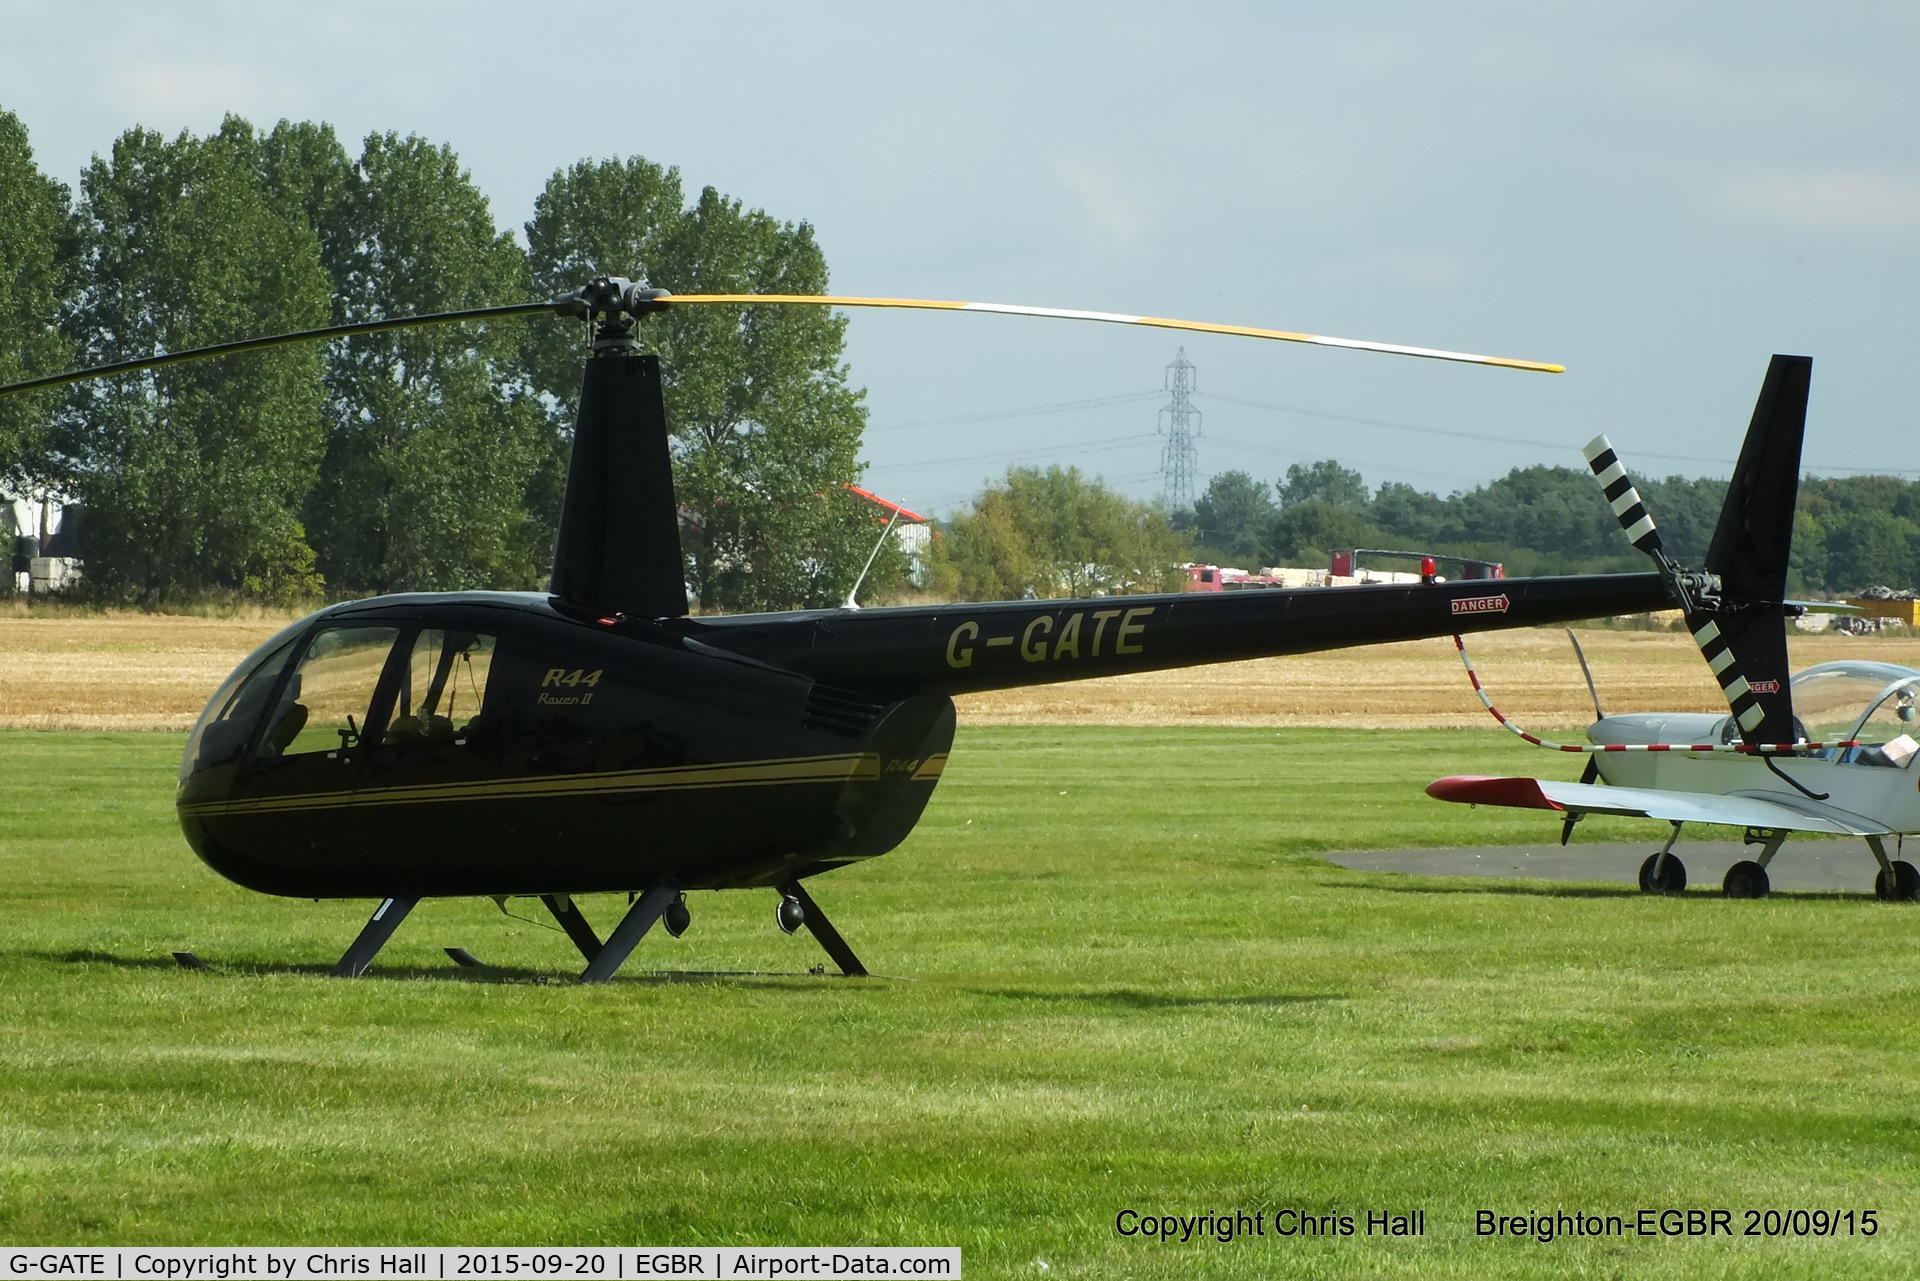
(871, 556)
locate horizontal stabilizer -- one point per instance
(1648, 802)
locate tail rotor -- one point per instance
(1736, 609)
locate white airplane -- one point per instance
(1847, 769)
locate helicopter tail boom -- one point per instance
(962, 648)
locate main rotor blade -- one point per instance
(651, 301)
(1107, 317)
(275, 340)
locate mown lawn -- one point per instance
(1121, 980)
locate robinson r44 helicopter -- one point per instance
(597, 738)
(1847, 770)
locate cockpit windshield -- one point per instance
(230, 714)
(1874, 702)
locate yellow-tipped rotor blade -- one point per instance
(1106, 317)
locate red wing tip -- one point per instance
(1480, 789)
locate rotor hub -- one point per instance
(611, 305)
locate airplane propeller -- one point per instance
(614, 303)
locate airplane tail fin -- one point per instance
(1740, 626)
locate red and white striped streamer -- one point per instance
(1744, 749)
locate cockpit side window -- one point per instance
(443, 688)
(324, 705)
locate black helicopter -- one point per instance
(597, 738)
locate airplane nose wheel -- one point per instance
(1745, 879)
(1902, 887)
(1672, 878)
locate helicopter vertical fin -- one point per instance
(1749, 552)
(1742, 634)
(619, 545)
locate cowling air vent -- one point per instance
(846, 712)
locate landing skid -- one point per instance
(822, 930)
(627, 935)
(567, 912)
(373, 936)
(603, 959)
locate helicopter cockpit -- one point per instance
(382, 687)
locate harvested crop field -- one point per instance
(1531, 674)
(135, 671)
(126, 671)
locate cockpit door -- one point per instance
(306, 760)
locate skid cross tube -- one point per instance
(373, 936)
(632, 928)
(568, 913)
(822, 929)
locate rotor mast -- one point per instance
(618, 549)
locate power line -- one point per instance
(1031, 411)
(1120, 442)
(1515, 440)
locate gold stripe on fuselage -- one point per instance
(847, 768)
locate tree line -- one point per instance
(1056, 532)
(435, 459)
(1849, 532)
(425, 459)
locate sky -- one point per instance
(1656, 196)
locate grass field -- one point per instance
(1122, 980)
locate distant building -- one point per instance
(43, 537)
(912, 531)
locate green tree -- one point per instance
(1408, 515)
(1549, 509)
(1308, 530)
(194, 473)
(1326, 480)
(1872, 547)
(1055, 533)
(1687, 511)
(1807, 559)
(766, 427)
(36, 250)
(434, 441)
(1234, 517)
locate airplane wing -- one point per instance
(1647, 802)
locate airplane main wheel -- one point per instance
(1902, 887)
(1673, 875)
(1746, 879)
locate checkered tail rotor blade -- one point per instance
(1628, 509)
(1631, 512)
